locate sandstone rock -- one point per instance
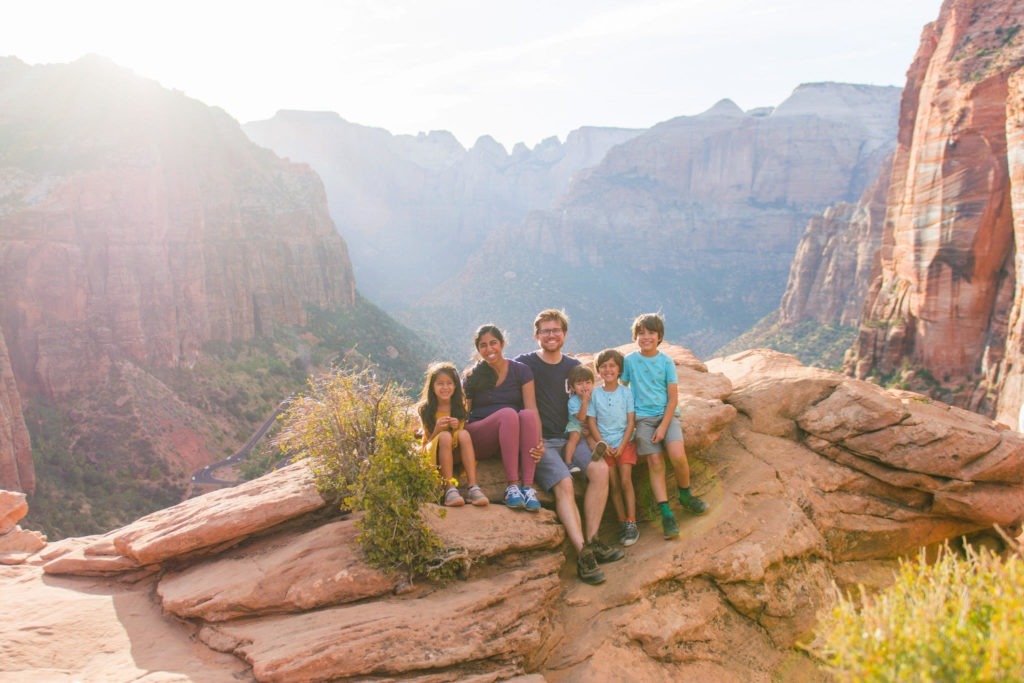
(224, 516)
(501, 619)
(12, 509)
(17, 471)
(286, 572)
(942, 297)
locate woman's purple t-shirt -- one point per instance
(508, 394)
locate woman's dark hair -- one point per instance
(427, 407)
(481, 376)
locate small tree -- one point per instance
(358, 434)
(957, 619)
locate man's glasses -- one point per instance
(550, 333)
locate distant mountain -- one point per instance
(413, 208)
(165, 282)
(699, 217)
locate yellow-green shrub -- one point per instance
(960, 618)
(358, 434)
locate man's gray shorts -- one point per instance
(645, 428)
(552, 468)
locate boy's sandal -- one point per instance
(452, 498)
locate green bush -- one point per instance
(358, 434)
(957, 619)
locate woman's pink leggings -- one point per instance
(511, 434)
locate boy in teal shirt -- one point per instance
(652, 377)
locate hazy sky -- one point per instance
(519, 71)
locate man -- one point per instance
(550, 370)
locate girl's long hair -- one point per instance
(427, 407)
(481, 376)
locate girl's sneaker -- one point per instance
(476, 496)
(514, 497)
(532, 504)
(452, 498)
(630, 534)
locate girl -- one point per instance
(503, 415)
(442, 411)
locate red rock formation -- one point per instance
(946, 281)
(137, 225)
(16, 471)
(836, 259)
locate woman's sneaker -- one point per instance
(514, 497)
(630, 534)
(476, 496)
(530, 496)
(599, 451)
(452, 498)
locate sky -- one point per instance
(518, 71)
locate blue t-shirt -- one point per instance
(574, 405)
(508, 394)
(612, 409)
(649, 379)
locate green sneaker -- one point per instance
(669, 527)
(693, 505)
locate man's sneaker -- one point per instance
(452, 498)
(693, 505)
(476, 496)
(514, 497)
(532, 504)
(599, 451)
(669, 526)
(586, 566)
(630, 534)
(605, 553)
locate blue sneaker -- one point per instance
(514, 497)
(532, 504)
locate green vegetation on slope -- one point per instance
(815, 344)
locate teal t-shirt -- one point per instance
(649, 378)
(612, 409)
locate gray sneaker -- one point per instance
(629, 534)
(586, 567)
(605, 553)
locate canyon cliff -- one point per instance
(943, 309)
(404, 202)
(138, 226)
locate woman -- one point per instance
(503, 415)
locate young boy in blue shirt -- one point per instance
(652, 377)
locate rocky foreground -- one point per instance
(815, 480)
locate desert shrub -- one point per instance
(957, 619)
(358, 433)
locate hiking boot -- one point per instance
(693, 505)
(630, 534)
(605, 553)
(530, 495)
(669, 527)
(599, 451)
(452, 499)
(476, 496)
(514, 497)
(586, 567)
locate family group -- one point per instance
(548, 418)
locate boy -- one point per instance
(611, 418)
(581, 382)
(652, 376)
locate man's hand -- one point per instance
(537, 452)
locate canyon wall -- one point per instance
(947, 280)
(136, 226)
(16, 471)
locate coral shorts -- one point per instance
(626, 456)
